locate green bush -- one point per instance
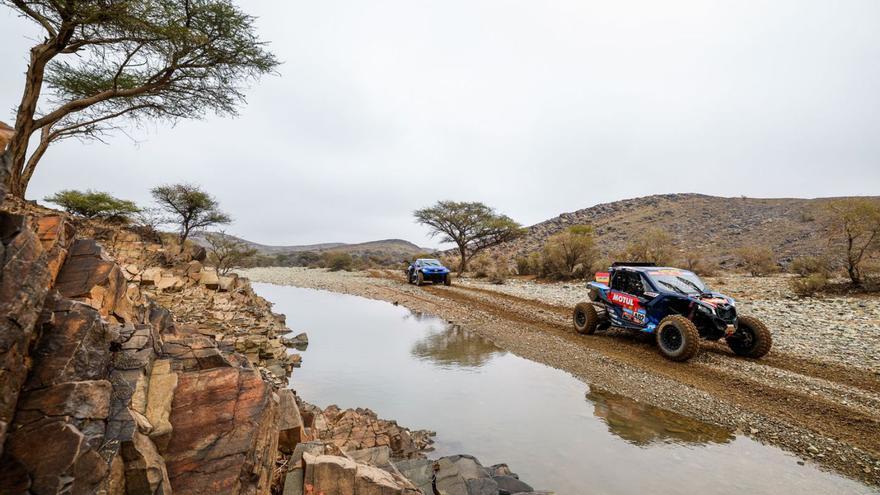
(570, 254)
(337, 261)
(91, 204)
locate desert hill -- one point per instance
(713, 226)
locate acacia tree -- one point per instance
(473, 227)
(227, 253)
(128, 59)
(189, 208)
(856, 222)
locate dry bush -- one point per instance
(809, 285)
(570, 254)
(652, 246)
(810, 265)
(696, 263)
(337, 261)
(757, 260)
(493, 268)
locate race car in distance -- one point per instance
(428, 270)
(674, 305)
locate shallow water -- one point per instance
(552, 429)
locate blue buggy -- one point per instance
(674, 305)
(428, 270)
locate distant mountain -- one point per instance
(388, 248)
(713, 226)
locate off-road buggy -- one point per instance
(674, 305)
(428, 270)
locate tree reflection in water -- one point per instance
(643, 425)
(455, 347)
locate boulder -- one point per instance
(375, 456)
(82, 400)
(151, 275)
(88, 276)
(225, 436)
(335, 475)
(464, 475)
(170, 283)
(193, 352)
(299, 342)
(209, 279)
(419, 472)
(511, 484)
(290, 424)
(56, 235)
(226, 283)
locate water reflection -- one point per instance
(643, 424)
(455, 347)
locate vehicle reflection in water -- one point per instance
(643, 424)
(455, 347)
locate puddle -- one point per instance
(552, 429)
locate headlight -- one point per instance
(709, 310)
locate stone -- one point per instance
(227, 283)
(56, 235)
(90, 277)
(209, 279)
(49, 469)
(375, 456)
(293, 482)
(290, 424)
(145, 469)
(511, 484)
(336, 475)
(225, 436)
(82, 400)
(160, 392)
(299, 342)
(193, 352)
(24, 284)
(170, 283)
(463, 475)
(419, 472)
(75, 346)
(151, 276)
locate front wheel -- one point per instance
(447, 280)
(752, 340)
(586, 318)
(420, 279)
(677, 338)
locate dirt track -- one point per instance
(824, 412)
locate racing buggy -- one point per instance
(428, 270)
(674, 305)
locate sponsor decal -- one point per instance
(713, 301)
(631, 308)
(603, 277)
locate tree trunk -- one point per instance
(462, 266)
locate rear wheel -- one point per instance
(586, 318)
(420, 279)
(678, 338)
(752, 340)
(410, 277)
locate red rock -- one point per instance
(82, 400)
(225, 433)
(90, 277)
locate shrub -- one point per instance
(811, 265)
(337, 261)
(493, 268)
(652, 246)
(570, 254)
(91, 204)
(757, 260)
(854, 223)
(809, 285)
(522, 266)
(694, 262)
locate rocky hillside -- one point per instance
(713, 226)
(130, 368)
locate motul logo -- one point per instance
(624, 300)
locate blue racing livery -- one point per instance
(428, 270)
(674, 304)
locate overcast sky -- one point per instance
(533, 107)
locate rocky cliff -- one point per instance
(126, 367)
